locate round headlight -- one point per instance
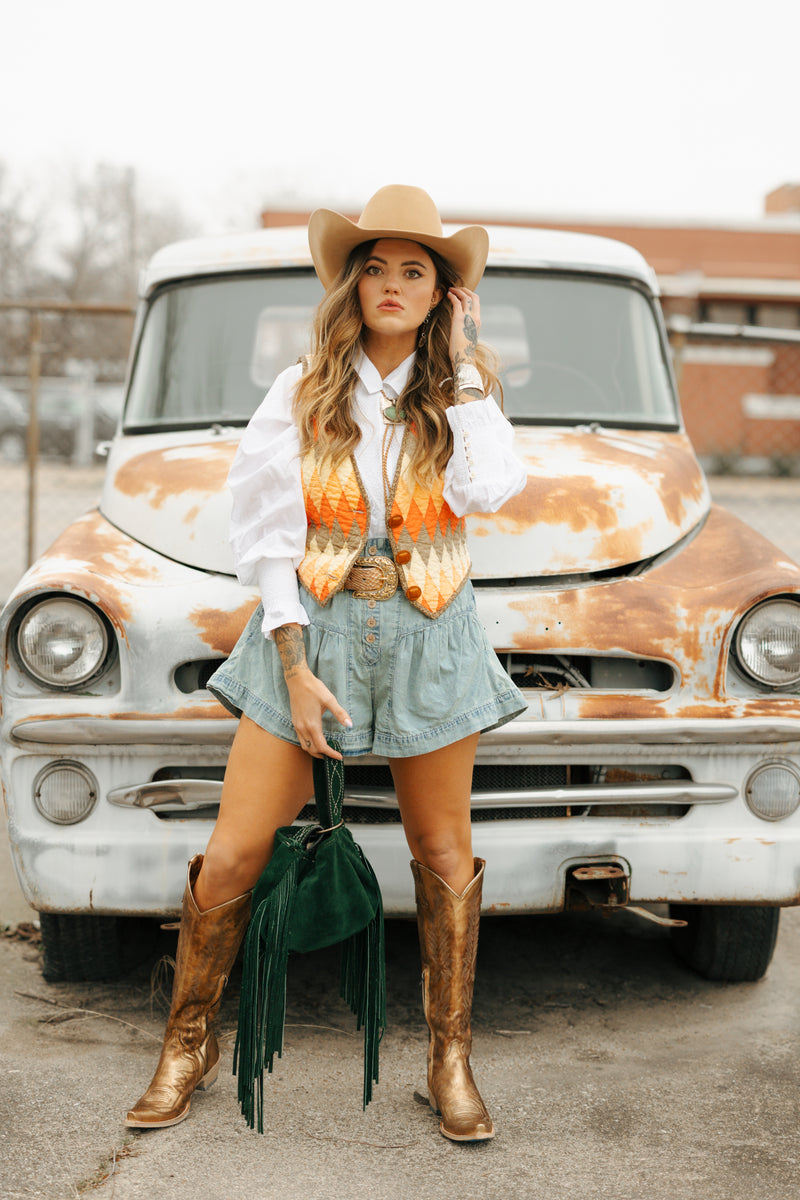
(768, 643)
(65, 792)
(773, 790)
(62, 642)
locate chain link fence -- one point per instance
(740, 393)
(61, 391)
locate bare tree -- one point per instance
(21, 232)
(114, 233)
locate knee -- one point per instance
(449, 858)
(228, 871)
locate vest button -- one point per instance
(402, 557)
(414, 593)
(395, 521)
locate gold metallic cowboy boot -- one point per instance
(448, 938)
(207, 946)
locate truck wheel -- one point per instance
(79, 947)
(725, 941)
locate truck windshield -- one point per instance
(572, 349)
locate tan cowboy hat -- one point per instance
(395, 212)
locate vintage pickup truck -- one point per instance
(656, 637)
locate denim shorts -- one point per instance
(409, 682)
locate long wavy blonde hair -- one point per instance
(322, 403)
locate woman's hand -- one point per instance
(464, 340)
(309, 699)
(308, 696)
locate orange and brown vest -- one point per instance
(429, 541)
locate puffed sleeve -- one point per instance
(268, 519)
(483, 471)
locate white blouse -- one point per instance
(268, 520)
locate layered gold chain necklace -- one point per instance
(392, 416)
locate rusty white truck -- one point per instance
(655, 636)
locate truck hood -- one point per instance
(595, 500)
(168, 491)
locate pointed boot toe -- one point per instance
(207, 948)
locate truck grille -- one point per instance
(369, 788)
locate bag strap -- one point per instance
(329, 788)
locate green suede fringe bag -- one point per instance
(317, 889)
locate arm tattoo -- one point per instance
(289, 640)
(467, 355)
(471, 331)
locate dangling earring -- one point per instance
(424, 327)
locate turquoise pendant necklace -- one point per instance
(391, 412)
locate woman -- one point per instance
(353, 478)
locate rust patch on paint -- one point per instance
(61, 716)
(101, 549)
(603, 498)
(213, 710)
(574, 503)
(160, 474)
(221, 630)
(682, 611)
(682, 483)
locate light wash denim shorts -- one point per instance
(410, 683)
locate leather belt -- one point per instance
(372, 578)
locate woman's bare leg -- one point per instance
(433, 791)
(267, 782)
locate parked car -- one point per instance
(13, 427)
(61, 406)
(656, 637)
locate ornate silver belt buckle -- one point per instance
(387, 586)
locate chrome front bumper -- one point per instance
(175, 795)
(124, 858)
(511, 738)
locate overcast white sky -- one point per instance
(684, 108)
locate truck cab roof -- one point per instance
(287, 248)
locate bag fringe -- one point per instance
(362, 985)
(262, 1001)
(363, 988)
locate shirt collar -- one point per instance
(370, 377)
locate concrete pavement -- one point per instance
(610, 1072)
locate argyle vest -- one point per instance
(429, 541)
